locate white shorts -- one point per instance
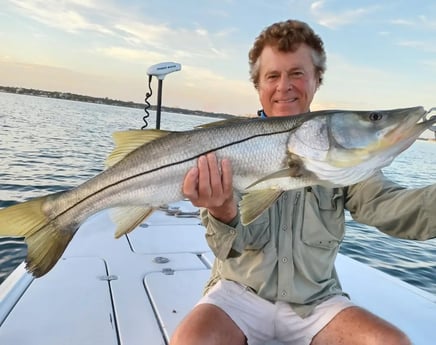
(261, 320)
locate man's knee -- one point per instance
(207, 324)
(358, 326)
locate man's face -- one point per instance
(287, 81)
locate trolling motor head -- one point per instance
(160, 70)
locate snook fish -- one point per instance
(147, 168)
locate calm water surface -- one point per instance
(48, 145)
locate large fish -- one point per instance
(147, 168)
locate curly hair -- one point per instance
(287, 37)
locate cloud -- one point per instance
(424, 46)
(128, 54)
(427, 23)
(193, 45)
(69, 16)
(402, 22)
(420, 22)
(137, 33)
(334, 18)
(129, 37)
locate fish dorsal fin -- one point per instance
(128, 218)
(128, 141)
(254, 203)
(236, 119)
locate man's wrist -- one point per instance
(225, 213)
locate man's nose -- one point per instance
(285, 83)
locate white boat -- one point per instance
(135, 290)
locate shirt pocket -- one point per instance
(258, 232)
(323, 222)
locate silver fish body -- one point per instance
(147, 169)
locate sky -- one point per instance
(380, 54)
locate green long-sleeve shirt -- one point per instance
(288, 253)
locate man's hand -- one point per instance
(210, 186)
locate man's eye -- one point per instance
(297, 74)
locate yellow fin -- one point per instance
(45, 241)
(254, 203)
(275, 175)
(128, 141)
(128, 218)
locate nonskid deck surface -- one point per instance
(135, 290)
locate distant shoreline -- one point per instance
(100, 100)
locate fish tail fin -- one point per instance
(45, 240)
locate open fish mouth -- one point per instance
(429, 117)
(411, 128)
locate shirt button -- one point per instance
(284, 227)
(232, 232)
(285, 259)
(285, 196)
(284, 293)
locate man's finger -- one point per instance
(227, 177)
(190, 184)
(203, 177)
(214, 175)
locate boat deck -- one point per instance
(135, 290)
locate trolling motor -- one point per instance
(159, 70)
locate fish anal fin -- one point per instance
(128, 218)
(254, 203)
(128, 141)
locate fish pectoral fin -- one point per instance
(45, 240)
(128, 218)
(128, 141)
(275, 175)
(254, 203)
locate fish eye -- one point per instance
(375, 116)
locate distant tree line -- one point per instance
(105, 100)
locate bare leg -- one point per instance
(357, 326)
(207, 324)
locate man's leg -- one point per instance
(207, 324)
(357, 326)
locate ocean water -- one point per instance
(49, 145)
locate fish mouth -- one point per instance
(412, 127)
(431, 118)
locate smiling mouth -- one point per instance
(284, 101)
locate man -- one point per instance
(275, 278)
